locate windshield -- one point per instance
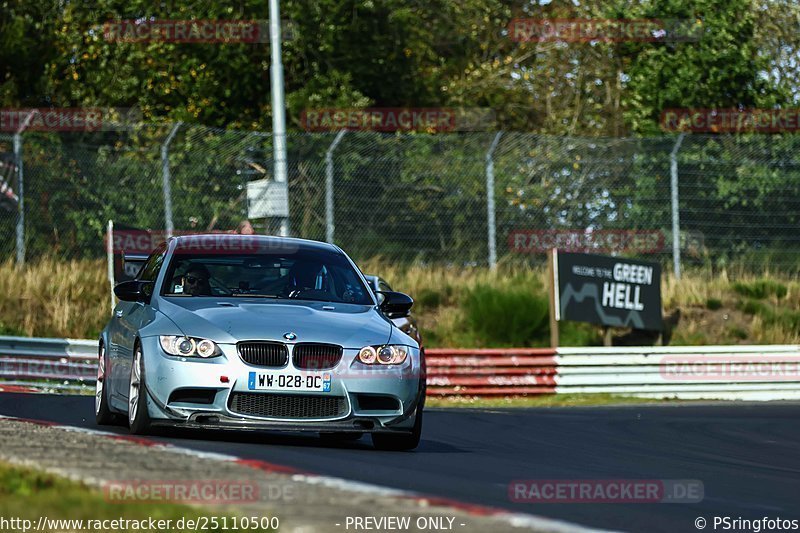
(303, 275)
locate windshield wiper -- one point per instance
(245, 295)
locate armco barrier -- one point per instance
(684, 372)
(707, 372)
(64, 363)
(464, 372)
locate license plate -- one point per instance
(276, 381)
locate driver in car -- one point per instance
(302, 277)
(195, 281)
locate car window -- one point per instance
(302, 274)
(149, 271)
(383, 286)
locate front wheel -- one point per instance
(102, 413)
(138, 417)
(400, 441)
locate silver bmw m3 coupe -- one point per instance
(254, 332)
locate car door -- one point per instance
(130, 317)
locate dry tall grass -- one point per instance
(71, 299)
(54, 298)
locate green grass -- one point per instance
(510, 312)
(543, 400)
(760, 289)
(29, 494)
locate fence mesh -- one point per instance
(419, 197)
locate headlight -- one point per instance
(189, 346)
(389, 354)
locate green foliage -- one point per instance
(429, 298)
(10, 330)
(761, 289)
(713, 304)
(357, 53)
(737, 333)
(772, 315)
(512, 313)
(29, 494)
(579, 334)
(753, 307)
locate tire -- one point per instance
(102, 412)
(138, 416)
(400, 441)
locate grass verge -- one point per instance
(543, 400)
(28, 494)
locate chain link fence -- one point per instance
(694, 201)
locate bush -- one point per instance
(429, 298)
(754, 307)
(713, 304)
(513, 313)
(761, 289)
(737, 333)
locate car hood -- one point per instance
(232, 320)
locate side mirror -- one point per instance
(395, 304)
(134, 290)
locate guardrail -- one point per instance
(683, 372)
(707, 372)
(60, 364)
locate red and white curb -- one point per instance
(520, 520)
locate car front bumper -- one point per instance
(165, 374)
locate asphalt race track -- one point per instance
(745, 454)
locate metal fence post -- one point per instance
(329, 225)
(490, 207)
(166, 179)
(676, 224)
(280, 163)
(20, 190)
